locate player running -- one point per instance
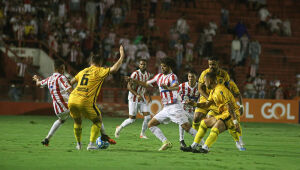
(82, 102)
(227, 117)
(137, 101)
(59, 88)
(172, 110)
(188, 91)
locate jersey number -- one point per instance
(84, 80)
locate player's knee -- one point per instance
(147, 118)
(132, 117)
(198, 117)
(62, 121)
(203, 124)
(186, 126)
(78, 121)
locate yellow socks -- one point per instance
(77, 132)
(196, 125)
(212, 137)
(95, 130)
(201, 132)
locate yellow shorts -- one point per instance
(213, 108)
(225, 116)
(79, 111)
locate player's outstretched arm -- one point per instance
(234, 117)
(118, 64)
(174, 87)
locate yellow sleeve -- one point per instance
(103, 72)
(201, 78)
(234, 88)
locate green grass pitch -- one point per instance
(269, 146)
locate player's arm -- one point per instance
(118, 64)
(200, 105)
(73, 81)
(201, 89)
(230, 107)
(174, 87)
(241, 104)
(131, 80)
(129, 87)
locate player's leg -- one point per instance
(76, 115)
(62, 117)
(152, 125)
(94, 114)
(181, 130)
(199, 114)
(145, 110)
(207, 123)
(104, 135)
(133, 108)
(218, 128)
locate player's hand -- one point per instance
(165, 86)
(35, 78)
(122, 53)
(139, 97)
(128, 79)
(190, 102)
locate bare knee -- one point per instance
(132, 117)
(153, 122)
(198, 116)
(78, 121)
(186, 126)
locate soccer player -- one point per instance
(188, 91)
(59, 88)
(82, 101)
(137, 101)
(172, 110)
(222, 78)
(226, 118)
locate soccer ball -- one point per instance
(102, 144)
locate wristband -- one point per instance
(235, 122)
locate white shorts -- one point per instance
(63, 115)
(174, 113)
(190, 116)
(135, 107)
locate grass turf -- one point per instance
(269, 146)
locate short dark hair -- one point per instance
(96, 59)
(192, 72)
(143, 60)
(58, 64)
(213, 58)
(211, 75)
(168, 61)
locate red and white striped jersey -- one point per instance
(138, 75)
(187, 92)
(58, 85)
(167, 96)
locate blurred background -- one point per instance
(256, 41)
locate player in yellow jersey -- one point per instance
(237, 137)
(82, 101)
(227, 116)
(222, 78)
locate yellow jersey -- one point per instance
(222, 77)
(221, 96)
(233, 88)
(89, 82)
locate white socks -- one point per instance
(127, 122)
(158, 133)
(193, 132)
(54, 127)
(181, 133)
(145, 124)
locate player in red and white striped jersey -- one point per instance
(188, 91)
(172, 111)
(59, 88)
(137, 101)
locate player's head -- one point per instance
(59, 66)
(192, 76)
(210, 80)
(96, 60)
(213, 64)
(167, 64)
(143, 65)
